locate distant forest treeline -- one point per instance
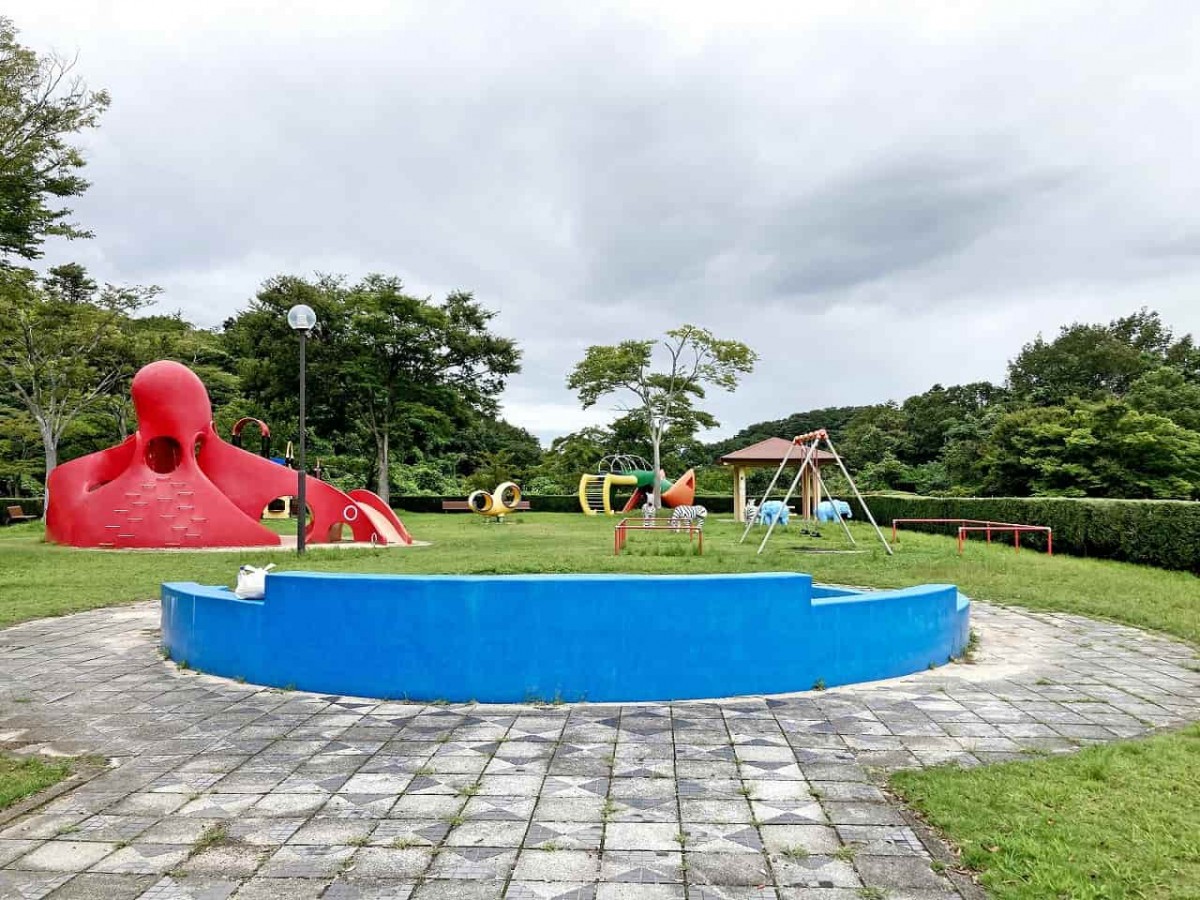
(1098, 411)
(405, 395)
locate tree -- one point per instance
(42, 106)
(70, 283)
(875, 434)
(964, 450)
(883, 473)
(485, 438)
(385, 367)
(1094, 361)
(1104, 449)
(692, 358)
(59, 357)
(154, 337)
(20, 449)
(832, 418)
(494, 469)
(932, 417)
(1167, 392)
(569, 456)
(679, 448)
(1084, 361)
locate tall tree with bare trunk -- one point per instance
(664, 377)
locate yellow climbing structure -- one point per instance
(595, 491)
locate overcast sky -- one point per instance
(875, 196)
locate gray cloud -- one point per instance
(884, 224)
(875, 200)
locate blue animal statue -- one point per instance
(773, 512)
(828, 511)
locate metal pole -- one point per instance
(301, 476)
(861, 501)
(770, 487)
(812, 448)
(822, 487)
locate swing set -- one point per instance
(805, 447)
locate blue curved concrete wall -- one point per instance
(576, 637)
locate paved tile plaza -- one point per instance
(219, 789)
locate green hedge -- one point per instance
(31, 505)
(545, 503)
(1164, 533)
(424, 504)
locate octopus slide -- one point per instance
(176, 484)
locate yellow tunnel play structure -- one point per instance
(595, 491)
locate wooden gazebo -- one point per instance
(768, 454)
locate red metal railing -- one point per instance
(1017, 531)
(965, 526)
(621, 530)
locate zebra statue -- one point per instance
(648, 512)
(750, 513)
(688, 515)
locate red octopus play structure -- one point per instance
(176, 484)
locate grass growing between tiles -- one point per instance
(22, 776)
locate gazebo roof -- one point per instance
(770, 452)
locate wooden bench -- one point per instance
(16, 514)
(463, 506)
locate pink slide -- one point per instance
(381, 517)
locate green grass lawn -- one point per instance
(1117, 821)
(38, 579)
(21, 777)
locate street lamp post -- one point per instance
(302, 320)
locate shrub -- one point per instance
(433, 477)
(543, 485)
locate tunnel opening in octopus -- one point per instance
(598, 638)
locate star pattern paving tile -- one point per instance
(349, 798)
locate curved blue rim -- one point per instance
(516, 638)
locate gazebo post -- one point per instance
(739, 494)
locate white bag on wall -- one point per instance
(252, 582)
